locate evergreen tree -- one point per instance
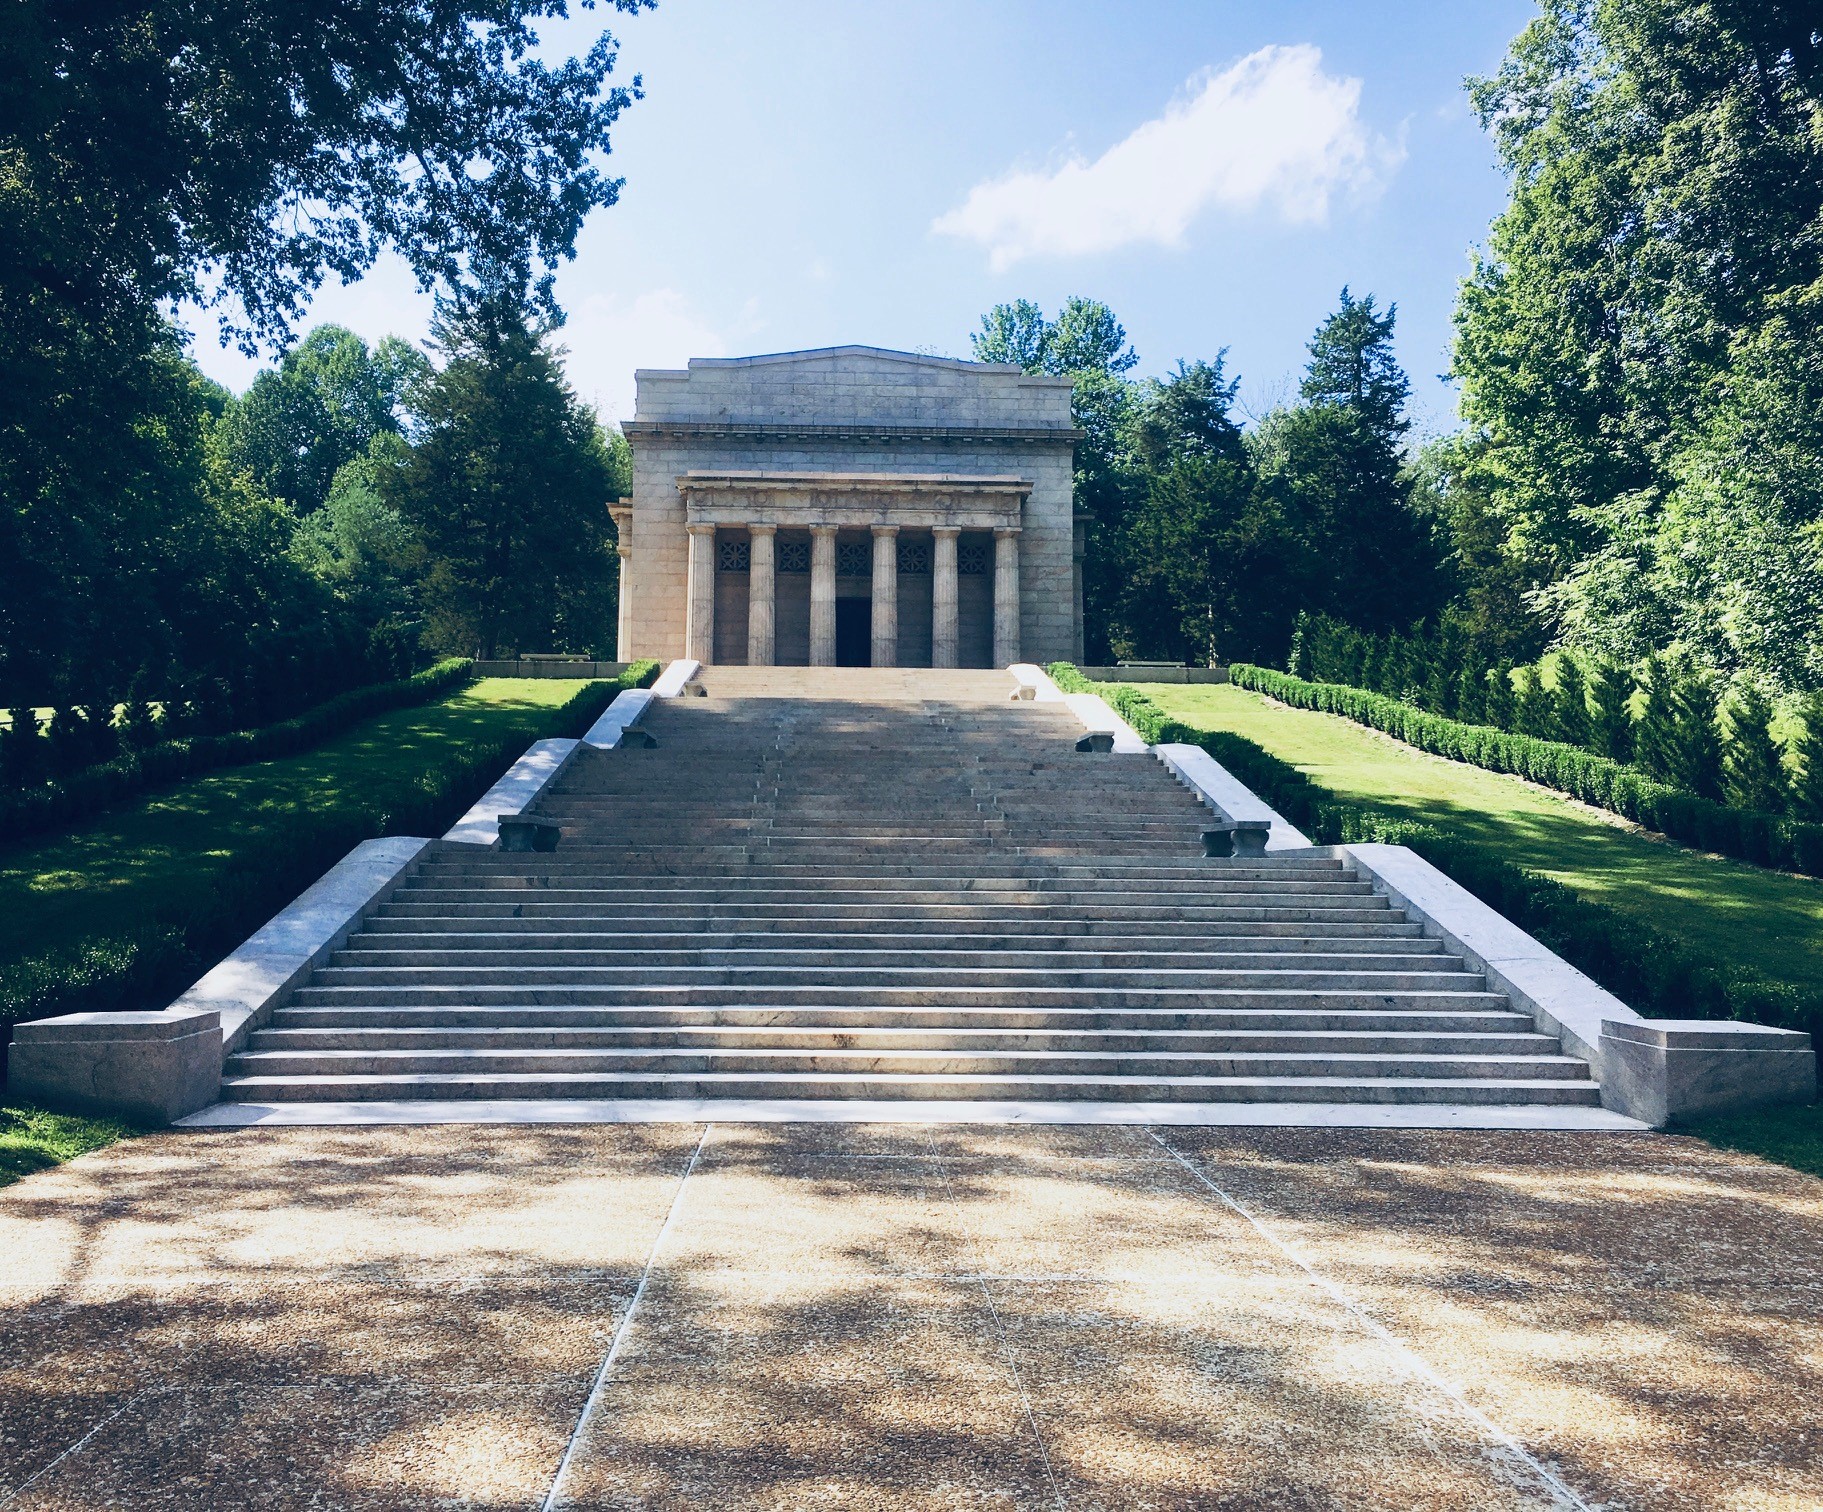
(1532, 706)
(1655, 736)
(1754, 775)
(138, 725)
(507, 488)
(1611, 724)
(1807, 778)
(1298, 663)
(1499, 702)
(1471, 697)
(21, 748)
(1572, 710)
(1697, 765)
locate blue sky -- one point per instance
(872, 171)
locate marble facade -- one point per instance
(853, 506)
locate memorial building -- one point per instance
(850, 506)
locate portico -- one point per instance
(849, 507)
(878, 537)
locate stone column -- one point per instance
(943, 633)
(699, 629)
(886, 596)
(623, 549)
(1006, 597)
(759, 595)
(822, 595)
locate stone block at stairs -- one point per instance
(148, 1068)
(1664, 1071)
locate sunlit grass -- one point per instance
(111, 869)
(34, 1139)
(1770, 922)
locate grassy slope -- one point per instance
(32, 1139)
(1770, 921)
(55, 891)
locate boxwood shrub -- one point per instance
(1764, 839)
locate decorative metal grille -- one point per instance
(793, 556)
(734, 555)
(972, 559)
(854, 559)
(914, 557)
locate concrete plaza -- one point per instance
(852, 1315)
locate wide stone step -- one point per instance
(1088, 957)
(1354, 976)
(921, 994)
(746, 929)
(1002, 1088)
(387, 935)
(794, 1062)
(798, 1017)
(870, 1038)
(937, 912)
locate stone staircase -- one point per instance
(889, 885)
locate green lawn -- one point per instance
(1770, 921)
(32, 1139)
(111, 870)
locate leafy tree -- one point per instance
(1637, 345)
(507, 489)
(320, 409)
(1753, 774)
(1017, 334)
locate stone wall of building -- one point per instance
(853, 410)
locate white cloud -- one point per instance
(610, 335)
(1274, 132)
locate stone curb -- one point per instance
(157, 1067)
(1222, 791)
(1093, 711)
(1655, 1070)
(514, 793)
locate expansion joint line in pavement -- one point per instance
(75, 1448)
(1415, 1362)
(1006, 1348)
(554, 1497)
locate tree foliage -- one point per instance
(1641, 346)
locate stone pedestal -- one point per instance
(699, 640)
(760, 595)
(1006, 597)
(148, 1068)
(822, 595)
(944, 638)
(886, 596)
(1667, 1070)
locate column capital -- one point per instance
(946, 532)
(822, 530)
(623, 549)
(754, 529)
(1006, 532)
(884, 530)
(697, 528)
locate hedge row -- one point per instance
(1764, 839)
(152, 962)
(1652, 971)
(54, 804)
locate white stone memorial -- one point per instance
(850, 507)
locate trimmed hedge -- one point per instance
(151, 963)
(1652, 971)
(62, 801)
(1763, 839)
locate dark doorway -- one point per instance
(854, 632)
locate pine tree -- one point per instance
(1611, 725)
(1754, 774)
(1370, 665)
(1500, 705)
(1807, 781)
(139, 726)
(1532, 712)
(1471, 697)
(1698, 745)
(1655, 735)
(1572, 709)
